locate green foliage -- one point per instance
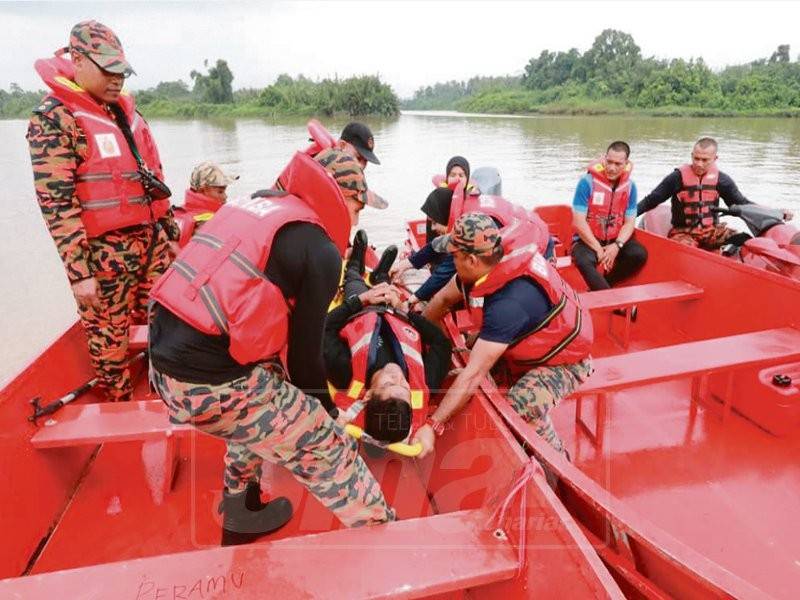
(215, 87)
(212, 95)
(364, 95)
(613, 76)
(17, 102)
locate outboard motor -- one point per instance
(758, 219)
(488, 181)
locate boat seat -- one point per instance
(622, 297)
(280, 568)
(145, 420)
(695, 360)
(82, 424)
(636, 295)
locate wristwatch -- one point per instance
(437, 426)
(619, 244)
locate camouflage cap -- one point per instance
(101, 45)
(474, 233)
(209, 174)
(350, 177)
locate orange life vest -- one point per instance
(217, 283)
(197, 208)
(107, 182)
(361, 332)
(608, 202)
(565, 335)
(503, 211)
(697, 195)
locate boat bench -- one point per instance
(695, 360)
(645, 294)
(621, 298)
(96, 423)
(280, 568)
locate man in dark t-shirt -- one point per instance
(518, 312)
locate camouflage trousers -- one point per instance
(542, 388)
(122, 301)
(264, 417)
(707, 238)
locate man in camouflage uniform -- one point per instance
(544, 345)
(208, 191)
(253, 406)
(111, 273)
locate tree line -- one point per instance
(211, 94)
(613, 75)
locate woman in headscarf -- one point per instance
(437, 210)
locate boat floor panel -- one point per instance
(726, 489)
(121, 511)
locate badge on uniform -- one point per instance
(107, 143)
(598, 197)
(411, 333)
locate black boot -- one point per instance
(357, 253)
(381, 273)
(242, 523)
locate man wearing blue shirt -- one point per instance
(604, 214)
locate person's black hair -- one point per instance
(387, 420)
(705, 142)
(619, 146)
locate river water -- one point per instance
(540, 159)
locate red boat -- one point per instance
(683, 480)
(110, 501)
(684, 442)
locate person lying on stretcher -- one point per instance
(384, 364)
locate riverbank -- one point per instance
(523, 102)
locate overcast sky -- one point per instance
(409, 44)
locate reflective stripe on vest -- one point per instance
(696, 198)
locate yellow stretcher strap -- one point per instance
(410, 450)
(355, 389)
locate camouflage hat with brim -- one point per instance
(100, 44)
(350, 177)
(473, 233)
(209, 174)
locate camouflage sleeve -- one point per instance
(53, 138)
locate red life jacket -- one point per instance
(360, 332)
(217, 283)
(503, 211)
(565, 335)
(697, 195)
(197, 208)
(608, 202)
(107, 181)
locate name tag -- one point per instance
(598, 198)
(107, 143)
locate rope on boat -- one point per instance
(498, 517)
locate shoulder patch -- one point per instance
(47, 105)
